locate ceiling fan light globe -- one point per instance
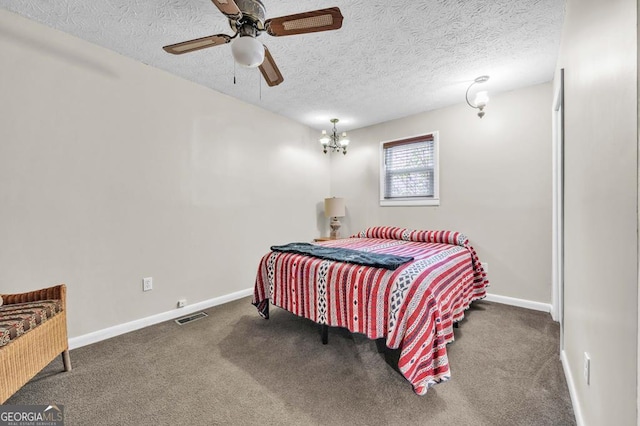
(247, 51)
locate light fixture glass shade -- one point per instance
(247, 51)
(482, 99)
(325, 139)
(334, 207)
(344, 140)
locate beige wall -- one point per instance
(495, 185)
(111, 171)
(599, 48)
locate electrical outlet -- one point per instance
(485, 266)
(587, 368)
(147, 284)
(182, 303)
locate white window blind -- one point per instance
(409, 171)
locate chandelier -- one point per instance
(334, 141)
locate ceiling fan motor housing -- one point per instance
(253, 15)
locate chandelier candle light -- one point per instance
(482, 98)
(334, 141)
(334, 208)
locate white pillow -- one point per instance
(0, 300)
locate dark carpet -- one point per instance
(235, 368)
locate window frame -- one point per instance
(411, 201)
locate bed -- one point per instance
(413, 308)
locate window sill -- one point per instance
(400, 203)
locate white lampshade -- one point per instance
(247, 51)
(482, 99)
(334, 207)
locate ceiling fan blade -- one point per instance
(229, 8)
(197, 44)
(270, 70)
(307, 22)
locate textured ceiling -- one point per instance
(390, 59)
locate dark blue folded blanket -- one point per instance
(377, 260)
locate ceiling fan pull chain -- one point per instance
(234, 72)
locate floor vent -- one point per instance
(191, 317)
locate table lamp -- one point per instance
(334, 208)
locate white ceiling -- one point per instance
(390, 59)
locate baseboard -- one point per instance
(529, 304)
(107, 333)
(572, 389)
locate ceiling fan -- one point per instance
(246, 18)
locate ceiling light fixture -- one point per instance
(482, 98)
(334, 141)
(247, 51)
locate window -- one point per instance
(409, 171)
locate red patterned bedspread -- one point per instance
(413, 307)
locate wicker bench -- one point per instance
(33, 331)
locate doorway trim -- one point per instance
(557, 297)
